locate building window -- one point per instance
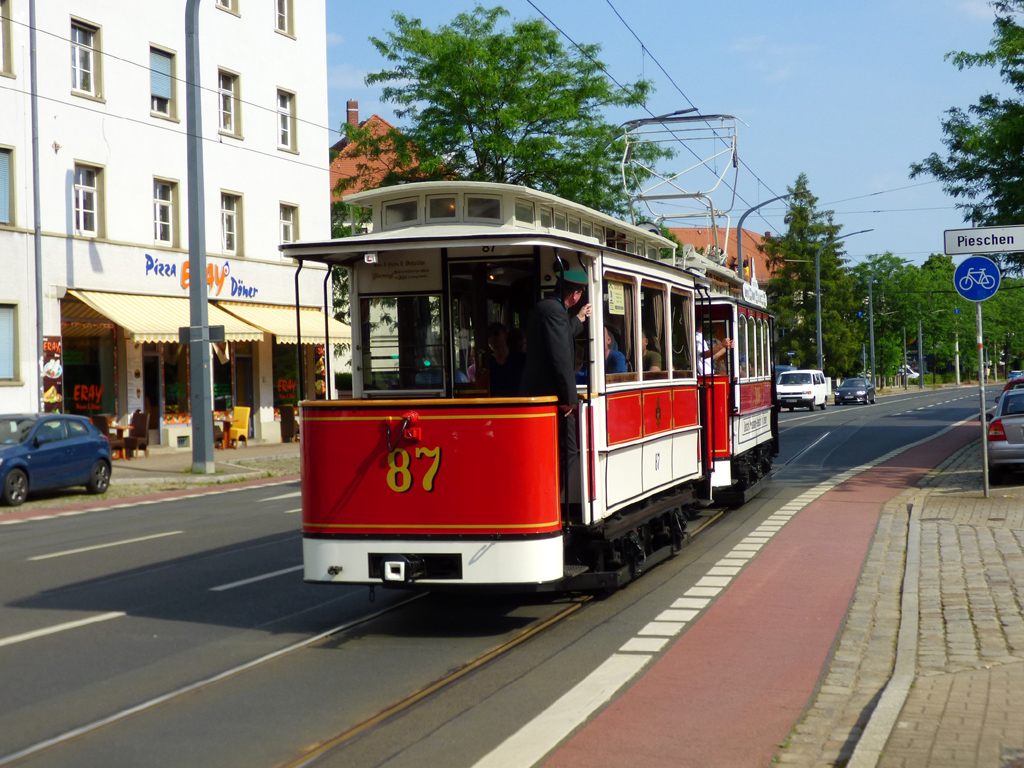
(289, 223)
(161, 83)
(286, 120)
(229, 103)
(164, 206)
(6, 187)
(8, 339)
(228, 5)
(87, 201)
(6, 65)
(284, 17)
(84, 62)
(230, 215)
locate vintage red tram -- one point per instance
(435, 474)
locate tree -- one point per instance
(502, 105)
(984, 168)
(791, 291)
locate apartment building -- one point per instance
(113, 207)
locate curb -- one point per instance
(883, 719)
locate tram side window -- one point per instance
(619, 308)
(766, 356)
(402, 345)
(652, 318)
(742, 348)
(681, 337)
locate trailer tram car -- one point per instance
(435, 475)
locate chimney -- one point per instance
(353, 113)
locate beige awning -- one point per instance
(158, 318)
(280, 321)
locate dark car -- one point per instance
(44, 451)
(855, 391)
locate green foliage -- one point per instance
(984, 167)
(792, 291)
(504, 105)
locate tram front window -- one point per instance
(402, 346)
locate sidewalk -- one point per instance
(954, 559)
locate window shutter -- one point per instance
(5, 186)
(6, 342)
(160, 74)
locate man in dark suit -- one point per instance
(550, 356)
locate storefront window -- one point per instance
(175, 383)
(89, 375)
(286, 375)
(222, 399)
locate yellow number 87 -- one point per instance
(399, 475)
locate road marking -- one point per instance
(254, 579)
(292, 511)
(104, 546)
(283, 496)
(58, 628)
(550, 727)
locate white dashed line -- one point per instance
(105, 546)
(58, 628)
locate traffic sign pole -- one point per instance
(981, 401)
(977, 279)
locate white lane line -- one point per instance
(546, 731)
(292, 511)
(644, 645)
(105, 546)
(254, 579)
(698, 603)
(678, 614)
(662, 629)
(58, 628)
(296, 494)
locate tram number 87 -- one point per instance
(400, 468)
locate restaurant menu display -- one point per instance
(53, 375)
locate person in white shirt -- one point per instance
(708, 355)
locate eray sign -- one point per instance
(984, 240)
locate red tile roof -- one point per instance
(703, 237)
(346, 164)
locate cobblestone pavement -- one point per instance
(966, 706)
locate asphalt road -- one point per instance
(129, 637)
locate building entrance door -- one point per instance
(152, 390)
(243, 383)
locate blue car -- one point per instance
(43, 451)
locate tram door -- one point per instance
(489, 304)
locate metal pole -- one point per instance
(920, 354)
(200, 385)
(739, 234)
(871, 327)
(906, 377)
(956, 358)
(981, 402)
(37, 237)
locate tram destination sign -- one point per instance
(984, 240)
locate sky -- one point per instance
(849, 94)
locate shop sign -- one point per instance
(286, 389)
(217, 277)
(53, 375)
(88, 397)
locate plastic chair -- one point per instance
(102, 423)
(289, 427)
(139, 431)
(239, 427)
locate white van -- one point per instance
(805, 388)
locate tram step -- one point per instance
(575, 570)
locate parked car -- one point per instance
(909, 372)
(802, 388)
(1011, 384)
(855, 391)
(1006, 436)
(44, 451)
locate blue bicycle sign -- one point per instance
(977, 278)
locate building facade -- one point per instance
(113, 191)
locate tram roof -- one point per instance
(418, 231)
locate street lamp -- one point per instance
(817, 285)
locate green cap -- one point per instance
(575, 277)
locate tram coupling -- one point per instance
(402, 569)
